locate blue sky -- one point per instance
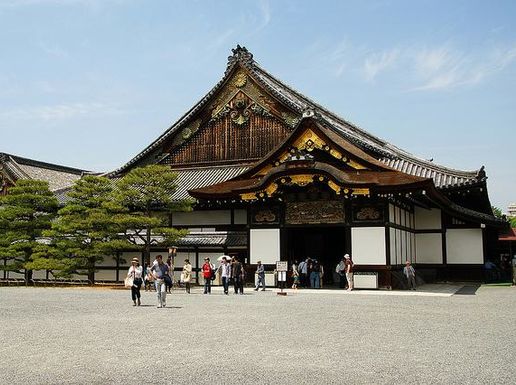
(90, 83)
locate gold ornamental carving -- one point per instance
(314, 212)
(360, 191)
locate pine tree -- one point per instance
(145, 194)
(84, 231)
(25, 212)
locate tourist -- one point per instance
(260, 272)
(242, 278)
(149, 279)
(303, 273)
(341, 271)
(321, 275)
(135, 272)
(207, 274)
(236, 274)
(225, 274)
(160, 272)
(410, 275)
(187, 275)
(170, 282)
(349, 271)
(295, 276)
(314, 274)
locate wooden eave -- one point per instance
(335, 143)
(380, 181)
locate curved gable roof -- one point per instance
(382, 150)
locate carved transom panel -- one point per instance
(266, 215)
(368, 213)
(314, 212)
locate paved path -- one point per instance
(95, 336)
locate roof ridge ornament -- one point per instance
(240, 54)
(308, 113)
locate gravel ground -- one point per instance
(96, 336)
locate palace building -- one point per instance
(275, 176)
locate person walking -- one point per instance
(349, 271)
(341, 271)
(187, 275)
(295, 276)
(260, 272)
(135, 272)
(160, 271)
(225, 274)
(207, 274)
(410, 274)
(236, 274)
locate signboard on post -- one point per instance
(281, 270)
(281, 266)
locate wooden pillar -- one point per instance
(197, 264)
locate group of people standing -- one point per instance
(231, 271)
(308, 273)
(161, 275)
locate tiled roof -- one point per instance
(215, 238)
(57, 176)
(189, 179)
(383, 151)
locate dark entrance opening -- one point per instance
(326, 244)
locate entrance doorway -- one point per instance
(326, 244)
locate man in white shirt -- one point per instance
(225, 274)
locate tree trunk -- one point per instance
(28, 277)
(91, 269)
(146, 253)
(28, 273)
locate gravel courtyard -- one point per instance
(96, 336)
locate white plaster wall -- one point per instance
(240, 217)
(108, 275)
(368, 245)
(429, 248)
(39, 274)
(464, 246)
(265, 245)
(392, 234)
(109, 260)
(428, 219)
(202, 218)
(399, 244)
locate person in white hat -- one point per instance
(135, 272)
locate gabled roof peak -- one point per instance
(240, 55)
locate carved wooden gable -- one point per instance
(242, 122)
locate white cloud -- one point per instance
(443, 68)
(376, 63)
(59, 112)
